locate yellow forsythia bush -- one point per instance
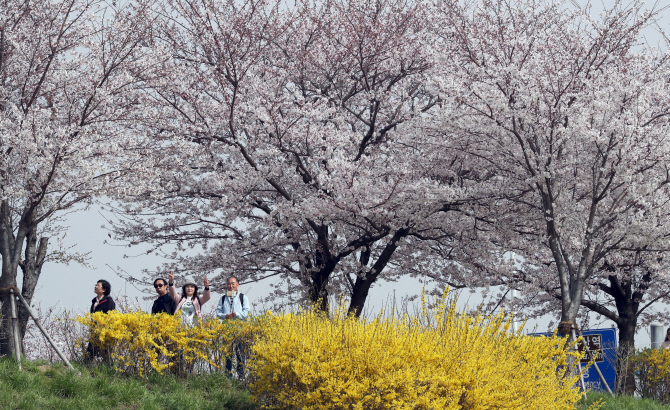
(444, 359)
(652, 373)
(138, 342)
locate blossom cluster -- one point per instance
(651, 370)
(440, 359)
(136, 343)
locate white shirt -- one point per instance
(188, 312)
(97, 301)
(241, 309)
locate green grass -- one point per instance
(55, 387)
(620, 402)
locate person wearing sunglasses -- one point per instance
(164, 303)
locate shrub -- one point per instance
(440, 360)
(652, 373)
(137, 342)
(63, 327)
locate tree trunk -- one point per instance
(324, 266)
(359, 294)
(625, 378)
(627, 323)
(627, 301)
(7, 343)
(363, 283)
(11, 244)
(318, 292)
(32, 269)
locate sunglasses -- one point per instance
(160, 285)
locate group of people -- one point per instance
(232, 305)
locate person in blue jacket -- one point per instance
(234, 306)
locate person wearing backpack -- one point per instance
(234, 306)
(189, 303)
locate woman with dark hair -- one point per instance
(666, 342)
(189, 303)
(102, 302)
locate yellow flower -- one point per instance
(441, 359)
(139, 342)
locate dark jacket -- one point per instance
(105, 305)
(164, 304)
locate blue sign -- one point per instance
(602, 344)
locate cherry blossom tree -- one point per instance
(625, 294)
(69, 109)
(570, 113)
(629, 295)
(307, 166)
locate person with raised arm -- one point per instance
(189, 303)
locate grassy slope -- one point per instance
(99, 388)
(620, 403)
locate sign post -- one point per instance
(601, 344)
(595, 347)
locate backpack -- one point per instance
(241, 299)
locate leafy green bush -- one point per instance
(652, 374)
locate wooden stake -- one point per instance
(15, 327)
(39, 325)
(579, 365)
